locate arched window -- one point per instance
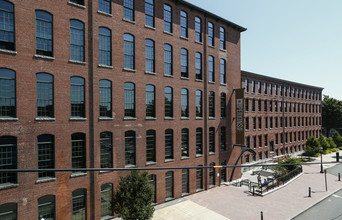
(78, 150)
(199, 106)
(168, 144)
(105, 46)
(211, 140)
(185, 181)
(168, 102)
(149, 13)
(198, 62)
(153, 183)
(184, 24)
(128, 11)
(8, 210)
(184, 103)
(169, 185)
(223, 105)
(79, 204)
(198, 29)
(129, 99)
(199, 141)
(105, 98)
(46, 207)
(150, 101)
(46, 155)
(150, 146)
(130, 148)
(199, 179)
(210, 34)
(184, 63)
(223, 71)
(77, 97)
(211, 69)
(167, 18)
(129, 53)
(168, 67)
(222, 38)
(105, 6)
(45, 95)
(212, 104)
(149, 56)
(44, 33)
(223, 139)
(185, 142)
(106, 200)
(211, 175)
(7, 93)
(76, 40)
(7, 30)
(8, 159)
(106, 149)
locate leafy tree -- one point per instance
(133, 197)
(290, 160)
(331, 142)
(312, 146)
(337, 139)
(323, 142)
(331, 113)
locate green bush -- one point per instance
(312, 147)
(335, 149)
(327, 151)
(337, 139)
(323, 142)
(331, 142)
(290, 160)
(279, 171)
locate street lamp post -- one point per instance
(321, 148)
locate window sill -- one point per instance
(8, 186)
(223, 84)
(211, 46)
(169, 199)
(211, 153)
(150, 73)
(185, 157)
(46, 180)
(77, 5)
(199, 155)
(105, 66)
(170, 76)
(105, 119)
(129, 70)
(168, 118)
(129, 118)
(185, 118)
(77, 62)
(199, 190)
(77, 119)
(199, 118)
(223, 50)
(211, 82)
(150, 118)
(149, 27)
(185, 78)
(184, 38)
(12, 52)
(185, 194)
(151, 163)
(37, 56)
(198, 80)
(129, 21)
(78, 174)
(130, 166)
(168, 33)
(198, 42)
(9, 119)
(211, 118)
(105, 171)
(169, 160)
(104, 13)
(45, 119)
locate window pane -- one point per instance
(149, 13)
(168, 144)
(129, 60)
(6, 26)
(77, 97)
(46, 155)
(44, 33)
(78, 148)
(151, 146)
(129, 100)
(106, 148)
(168, 102)
(128, 9)
(76, 40)
(44, 89)
(79, 204)
(7, 93)
(106, 200)
(104, 6)
(8, 159)
(105, 98)
(129, 148)
(105, 47)
(46, 207)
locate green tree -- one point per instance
(133, 197)
(290, 160)
(323, 142)
(331, 113)
(312, 146)
(331, 142)
(337, 139)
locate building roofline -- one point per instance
(235, 26)
(243, 72)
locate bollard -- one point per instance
(337, 156)
(339, 177)
(253, 190)
(262, 215)
(309, 191)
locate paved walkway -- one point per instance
(228, 202)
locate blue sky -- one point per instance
(296, 40)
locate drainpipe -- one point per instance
(205, 92)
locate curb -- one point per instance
(312, 205)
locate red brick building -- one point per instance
(279, 116)
(121, 83)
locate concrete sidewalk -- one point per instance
(228, 202)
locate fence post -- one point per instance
(309, 191)
(253, 190)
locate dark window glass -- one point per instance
(129, 57)
(168, 102)
(199, 179)
(184, 24)
(185, 181)
(223, 71)
(169, 185)
(105, 46)
(8, 211)
(44, 33)
(7, 94)
(223, 105)
(150, 146)
(185, 142)
(128, 6)
(198, 66)
(167, 18)
(44, 89)
(211, 140)
(105, 98)
(211, 69)
(104, 6)
(46, 155)
(106, 149)
(168, 60)
(8, 159)
(210, 34)
(222, 38)
(46, 207)
(153, 183)
(78, 149)
(199, 141)
(79, 204)
(106, 200)
(129, 100)
(223, 172)
(149, 56)
(185, 103)
(130, 148)
(212, 175)
(6, 25)
(77, 97)
(149, 13)
(198, 29)
(168, 144)
(150, 101)
(223, 139)
(199, 108)
(80, 2)
(211, 104)
(76, 40)
(184, 63)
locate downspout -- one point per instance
(205, 92)
(91, 111)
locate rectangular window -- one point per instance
(266, 122)
(211, 104)
(7, 35)
(105, 98)
(149, 13)
(259, 123)
(253, 105)
(149, 56)
(265, 88)
(211, 34)
(130, 148)
(198, 29)
(105, 46)
(167, 18)
(211, 140)
(76, 40)
(168, 144)
(247, 123)
(199, 141)
(222, 38)
(8, 159)
(78, 149)
(168, 69)
(77, 97)
(7, 93)
(253, 86)
(104, 6)
(198, 66)
(129, 52)
(223, 71)
(129, 100)
(199, 112)
(254, 123)
(79, 204)
(246, 105)
(271, 89)
(168, 102)
(185, 181)
(271, 122)
(259, 87)
(128, 12)
(199, 179)
(223, 105)
(246, 85)
(185, 142)
(44, 95)
(79, 2)
(106, 149)
(223, 139)
(184, 24)
(150, 146)
(106, 200)
(266, 140)
(44, 33)
(46, 155)
(184, 63)
(46, 207)
(211, 69)
(184, 103)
